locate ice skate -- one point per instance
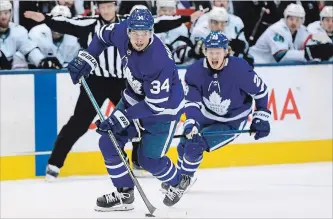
(120, 200)
(164, 186)
(52, 173)
(174, 194)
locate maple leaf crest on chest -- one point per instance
(216, 104)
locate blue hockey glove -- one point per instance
(117, 123)
(81, 65)
(260, 123)
(190, 128)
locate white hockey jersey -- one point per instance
(232, 30)
(277, 38)
(319, 34)
(66, 50)
(169, 36)
(16, 39)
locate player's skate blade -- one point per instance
(123, 207)
(159, 213)
(120, 200)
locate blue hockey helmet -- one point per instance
(140, 19)
(216, 40)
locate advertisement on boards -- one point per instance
(294, 97)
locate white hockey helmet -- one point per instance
(5, 5)
(295, 10)
(218, 14)
(166, 3)
(61, 10)
(327, 11)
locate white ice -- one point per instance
(279, 191)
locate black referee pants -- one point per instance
(84, 113)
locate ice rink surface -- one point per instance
(278, 191)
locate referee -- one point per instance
(108, 75)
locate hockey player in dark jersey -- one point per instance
(220, 90)
(108, 73)
(151, 103)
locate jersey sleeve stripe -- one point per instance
(155, 108)
(258, 96)
(156, 100)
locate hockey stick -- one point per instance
(152, 210)
(228, 132)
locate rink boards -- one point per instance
(35, 104)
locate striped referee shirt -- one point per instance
(84, 28)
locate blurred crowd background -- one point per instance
(258, 31)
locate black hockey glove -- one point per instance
(238, 46)
(320, 51)
(4, 63)
(50, 63)
(181, 54)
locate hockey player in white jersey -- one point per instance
(166, 9)
(13, 38)
(288, 40)
(62, 46)
(322, 31)
(218, 19)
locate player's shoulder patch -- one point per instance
(278, 38)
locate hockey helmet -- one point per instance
(140, 19)
(327, 11)
(166, 3)
(216, 40)
(60, 10)
(5, 5)
(218, 14)
(295, 10)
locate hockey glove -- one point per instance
(260, 123)
(50, 63)
(320, 51)
(81, 66)
(181, 54)
(190, 128)
(4, 63)
(117, 123)
(238, 46)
